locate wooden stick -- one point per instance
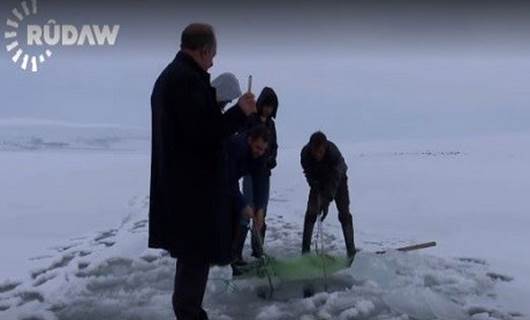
(412, 247)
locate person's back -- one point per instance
(239, 160)
(323, 169)
(186, 148)
(186, 165)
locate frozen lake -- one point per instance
(73, 231)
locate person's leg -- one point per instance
(238, 244)
(342, 200)
(265, 206)
(261, 184)
(240, 236)
(243, 226)
(191, 278)
(248, 189)
(313, 207)
(240, 230)
(256, 234)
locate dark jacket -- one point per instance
(238, 163)
(325, 175)
(267, 97)
(186, 165)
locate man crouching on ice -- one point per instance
(325, 171)
(244, 154)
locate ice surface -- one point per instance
(95, 264)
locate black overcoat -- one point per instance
(188, 130)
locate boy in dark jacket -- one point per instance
(325, 171)
(256, 186)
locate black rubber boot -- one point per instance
(308, 235)
(257, 248)
(347, 231)
(237, 250)
(238, 245)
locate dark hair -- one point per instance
(317, 140)
(267, 97)
(198, 36)
(259, 132)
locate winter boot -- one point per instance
(309, 224)
(347, 230)
(257, 248)
(238, 245)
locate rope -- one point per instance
(229, 284)
(262, 268)
(264, 261)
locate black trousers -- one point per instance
(190, 284)
(342, 201)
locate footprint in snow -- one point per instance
(9, 286)
(83, 265)
(473, 260)
(40, 258)
(138, 226)
(29, 296)
(105, 235)
(61, 263)
(84, 253)
(499, 277)
(44, 278)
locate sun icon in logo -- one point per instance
(14, 46)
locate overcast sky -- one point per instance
(358, 71)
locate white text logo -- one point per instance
(40, 39)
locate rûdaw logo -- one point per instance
(36, 47)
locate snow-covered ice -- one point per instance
(469, 195)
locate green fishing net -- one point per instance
(305, 267)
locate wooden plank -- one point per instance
(412, 247)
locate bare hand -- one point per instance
(247, 103)
(248, 213)
(259, 219)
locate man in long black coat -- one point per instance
(188, 129)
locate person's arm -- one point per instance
(233, 163)
(259, 188)
(308, 172)
(338, 170)
(271, 161)
(235, 118)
